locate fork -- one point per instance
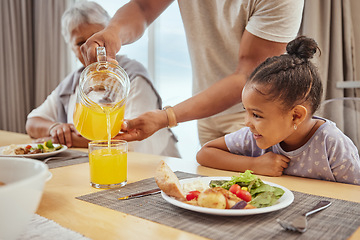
(64, 158)
(299, 224)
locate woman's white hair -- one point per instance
(80, 13)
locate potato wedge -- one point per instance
(211, 198)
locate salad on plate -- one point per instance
(46, 147)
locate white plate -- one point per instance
(282, 202)
(35, 155)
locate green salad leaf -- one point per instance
(49, 144)
(246, 179)
(265, 195)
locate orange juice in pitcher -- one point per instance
(92, 122)
(101, 99)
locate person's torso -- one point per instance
(214, 30)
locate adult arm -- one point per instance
(42, 126)
(217, 98)
(38, 127)
(43, 117)
(127, 25)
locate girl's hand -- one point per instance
(271, 164)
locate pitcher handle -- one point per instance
(101, 58)
(101, 54)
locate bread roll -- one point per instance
(168, 182)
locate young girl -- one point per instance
(282, 135)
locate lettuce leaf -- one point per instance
(246, 179)
(49, 144)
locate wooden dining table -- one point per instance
(59, 201)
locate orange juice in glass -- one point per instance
(108, 163)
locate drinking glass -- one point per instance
(108, 163)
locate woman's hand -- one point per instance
(143, 126)
(62, 134)
(65, 134)
(105, 38)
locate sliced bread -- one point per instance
(168, 182)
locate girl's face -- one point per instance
(267, 120)
(79, 36)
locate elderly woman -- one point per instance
(53, 119)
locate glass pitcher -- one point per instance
(101, 99)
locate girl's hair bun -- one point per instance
(302, 47)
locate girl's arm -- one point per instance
(215, 154)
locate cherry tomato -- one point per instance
(234, 188)
(28, 147)
(244, 195)
(192, 195)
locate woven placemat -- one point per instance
(66, 158)
(339, 221)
